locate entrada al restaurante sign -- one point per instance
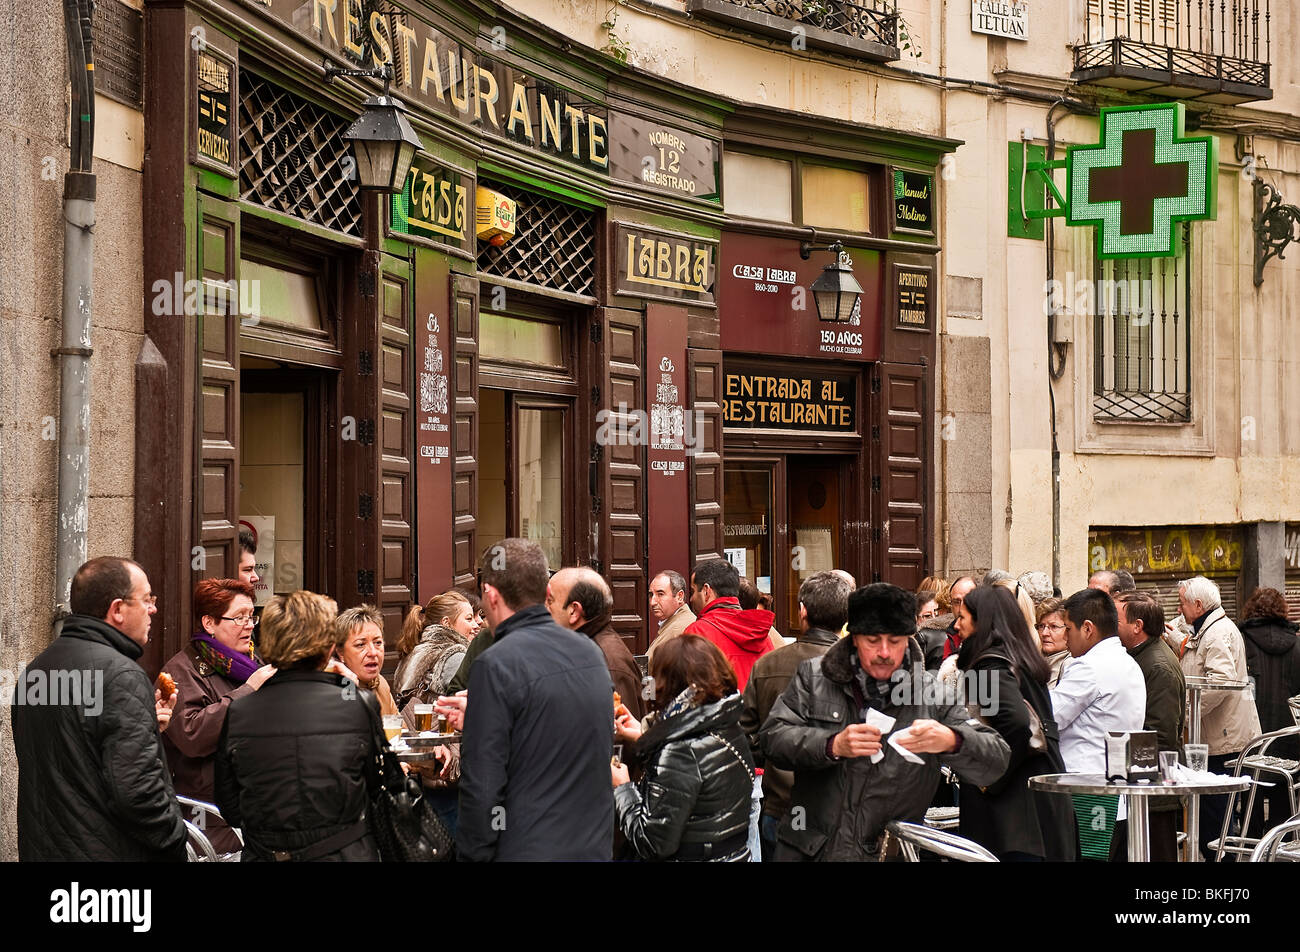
(764, 401)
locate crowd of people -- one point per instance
(734, 744)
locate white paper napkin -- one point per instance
(902, 735)
(883, 723)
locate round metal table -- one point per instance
(1195, 686)
(1136, 794)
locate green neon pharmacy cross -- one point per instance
(1137, 183)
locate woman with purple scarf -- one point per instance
(218, 665)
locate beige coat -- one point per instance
(1229, 719)
(676, 623)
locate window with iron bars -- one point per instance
(1141, 340)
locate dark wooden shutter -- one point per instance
(216, 491)
(900, 477)
(705, 380)
(464, 292)
(618, 368)
(394, 506)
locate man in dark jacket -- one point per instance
(741, 634)
(819, 729)
(580, 600)
(92, 777)
(539, 727)
(823, 610)
(1141, 624)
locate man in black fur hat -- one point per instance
(849, 781)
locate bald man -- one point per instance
(580, 600)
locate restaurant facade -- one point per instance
(585, 319)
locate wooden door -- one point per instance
(465, 553)
(900, 479)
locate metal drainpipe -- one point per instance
(78, 271)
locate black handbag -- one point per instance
(403, 822)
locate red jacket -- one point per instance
(740, 633)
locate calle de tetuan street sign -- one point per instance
(1134, 186)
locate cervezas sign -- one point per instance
(436, 71)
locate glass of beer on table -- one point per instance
(392, 725)
(424, 717)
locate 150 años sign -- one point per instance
(445, 76)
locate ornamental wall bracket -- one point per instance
(1276, 226)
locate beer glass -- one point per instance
(424, 717)
(392, 725)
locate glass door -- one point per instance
(522, 458)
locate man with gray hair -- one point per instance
(668, 604)
(823, 611)
(1112, 583)
(1229, 720)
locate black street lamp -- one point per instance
(383, 142)
(835, 291)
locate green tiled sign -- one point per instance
(1140, 180)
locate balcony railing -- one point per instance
(867, 29)
(1213, 51)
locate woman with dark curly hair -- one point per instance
(696, 761)
(1273, 661)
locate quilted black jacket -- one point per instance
(292, 765)
(92, 778)
(697, 784)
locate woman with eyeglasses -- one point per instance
(1051, 636)
(219, 664)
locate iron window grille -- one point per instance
(554, 245)
(1141, 337)
(293, 157)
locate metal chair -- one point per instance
(1270, 848)
(1294, 704)
(940, 842)
(198, 848)
(1255, 758)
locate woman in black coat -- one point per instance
(293, 766)
(1273, 662)
(1003, 670)
(693, 800)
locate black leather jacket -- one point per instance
(697, 784)
(292, 766)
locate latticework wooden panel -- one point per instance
(554, 244)
(292, 157)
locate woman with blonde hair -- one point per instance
(292, 765)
